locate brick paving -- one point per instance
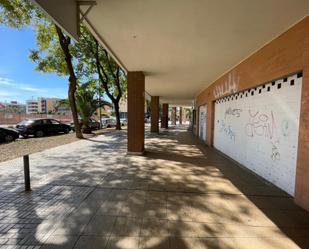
(181, 194)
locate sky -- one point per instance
(18, 78)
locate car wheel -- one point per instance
(66, 130)
(39, 133)
(9, 138)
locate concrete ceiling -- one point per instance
(184, 45)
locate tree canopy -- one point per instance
(82, 61)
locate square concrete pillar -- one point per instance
(180, 115)
(136, 109)
(154, 114)
(164, 118)
(174, 110)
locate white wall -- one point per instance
(260, 131)
(202, 122)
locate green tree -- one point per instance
(54, 53)
(87, 103)
(54, 48)
(97, 61)
(16, 13)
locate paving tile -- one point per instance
(156, 197)
(184, 197)
(100, 225)
(154, 227)
(184, 212)
(158, 210)
(110, 208)
(220, 243)
(91, 242)
(269, 243)
(183, 229)
(154, 242)
(122, 242)
(125, 226)
(185, 243)
(118, 195)
(132, 208)
(60, 242)
(72, 225)
(100, 194)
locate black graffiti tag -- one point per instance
(227, 129)
(261, 124)
(233, 112)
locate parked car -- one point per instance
(93, 124)
(8, 135)
(123, 122)
(108, 122)
(41, 126)
(147, 118)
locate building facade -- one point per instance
(244, 64)
(32, 106)
(262, 106)
(42, 105)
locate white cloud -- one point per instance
(6, 81)
(12, 90)
(32, 89)
(10, 83)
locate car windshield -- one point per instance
(54, 121)
(26, 122)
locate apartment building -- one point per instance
(41, 105)
(32, 106)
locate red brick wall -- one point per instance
(287, 54)
(13, 118)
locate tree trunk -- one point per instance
(85, 127)
(71, 95)
(118, 124)
(64, 43)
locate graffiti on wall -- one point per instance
(226, 129)
(275, 154)
(230, 86)
(259, 128)
(260, 124)
(285, 128)
(232, 112)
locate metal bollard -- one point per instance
(27, 173)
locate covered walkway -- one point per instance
(181, 194)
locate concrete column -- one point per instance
(302, 170)
(180, 115)
(174, 116)
(136, 103)
(154, 114)
(164, 118)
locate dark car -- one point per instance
(8, 135)
(92, 123)
(41, 126)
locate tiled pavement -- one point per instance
(181, 194)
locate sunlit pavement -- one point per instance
(181, 194)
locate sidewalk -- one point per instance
(181, 194)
